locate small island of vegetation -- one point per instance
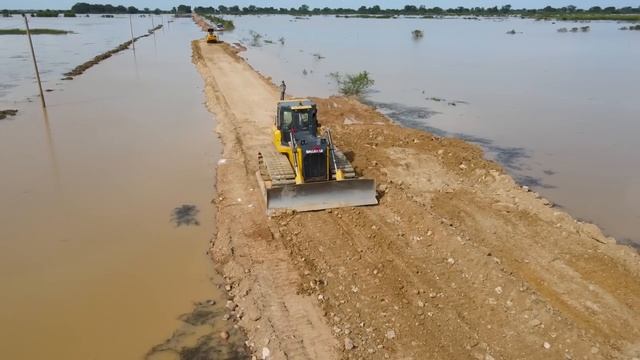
(34, 32)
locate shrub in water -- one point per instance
(353, 84)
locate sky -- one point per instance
(167, 4)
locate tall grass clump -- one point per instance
(353, 84)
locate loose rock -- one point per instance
(391, 334)
(348, 344)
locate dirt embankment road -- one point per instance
(457, 261)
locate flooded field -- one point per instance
(105, 212)
(556, 109)
(58, 54)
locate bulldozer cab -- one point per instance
(297, 116)
(313, 174)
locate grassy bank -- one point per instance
(228, 24)
(34, 32)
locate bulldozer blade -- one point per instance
(321, 195)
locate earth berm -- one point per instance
(456, 262)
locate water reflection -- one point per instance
(202, 335)
(51, 148)
(87, 248)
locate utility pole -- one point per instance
(35, 63)
(152, 24)
(133, 41)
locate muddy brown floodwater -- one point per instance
(105, 213)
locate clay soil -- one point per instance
(456, 262)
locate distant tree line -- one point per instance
(568, 12)
(412, 10)
(85, 8)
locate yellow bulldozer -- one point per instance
(212, 37)
(304, 170)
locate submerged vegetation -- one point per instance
(34, 32)
(7, 113)
(78, 70)
(255, 38)
(353, 84)
(575, 29)
(632, 27)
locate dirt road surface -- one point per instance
(457, 261)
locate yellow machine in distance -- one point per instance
(212, 37)
(304, 170)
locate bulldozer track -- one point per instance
(343, 164)
(276, 169)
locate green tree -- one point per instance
(353, 84)
(505, 9)
(410, 9)
(185, 9)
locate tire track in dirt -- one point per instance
(260, 280)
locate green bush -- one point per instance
(353, 84)
(47, 13)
